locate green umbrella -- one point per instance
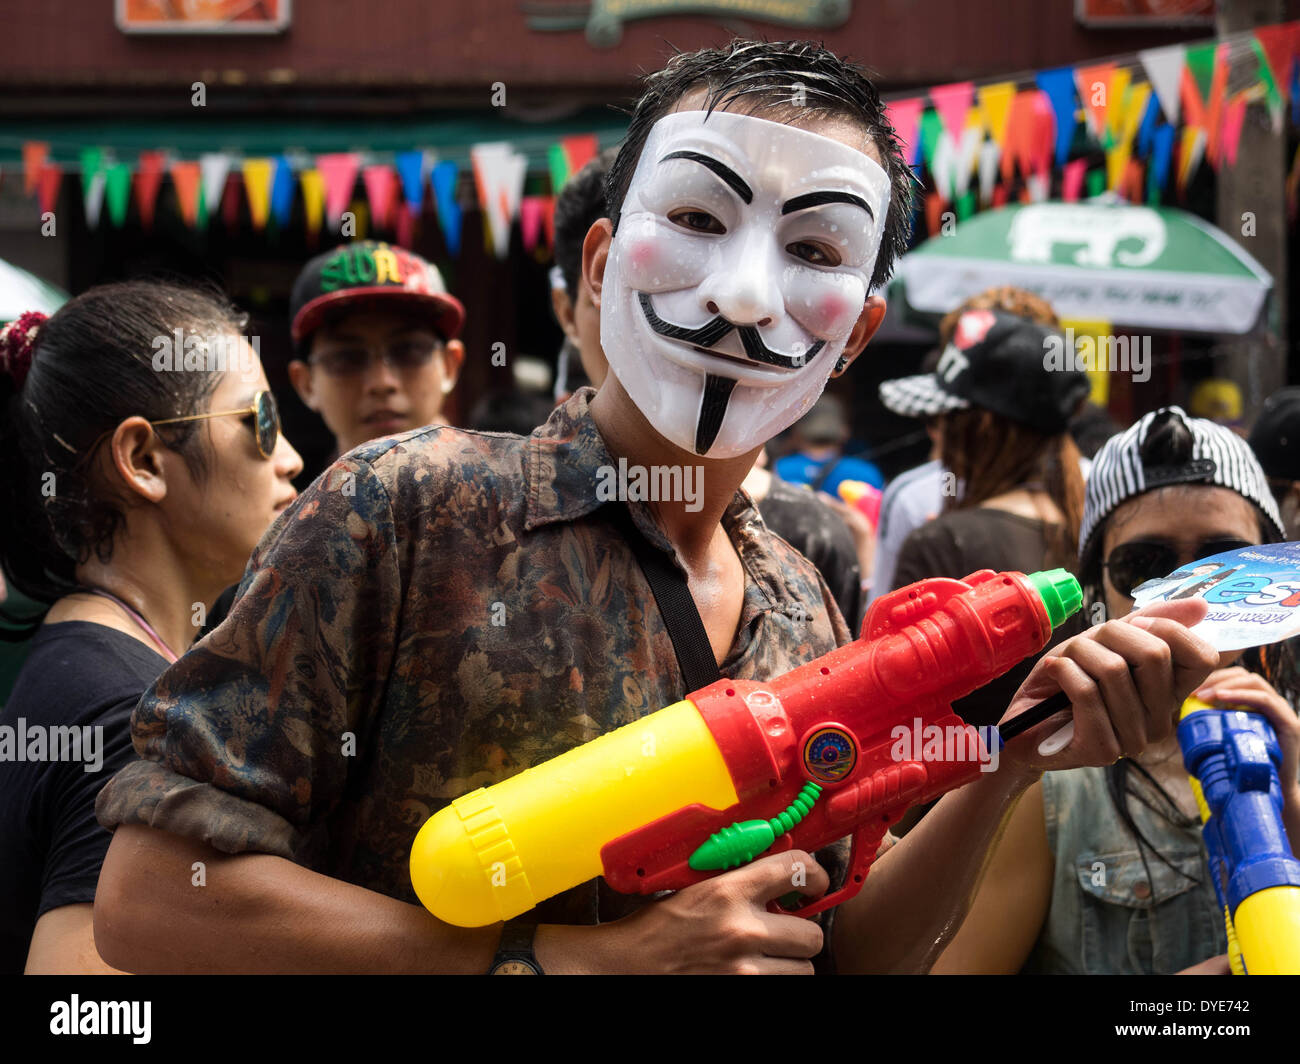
(21, 291)
(1148, 267)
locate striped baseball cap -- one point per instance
(1219, 457)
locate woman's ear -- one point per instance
(300, 378)
(873, 313)
(136, 453)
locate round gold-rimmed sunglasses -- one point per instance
(264, 412)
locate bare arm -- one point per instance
(63, 943)
(919, 891)
(257, 914)
(1011, 906)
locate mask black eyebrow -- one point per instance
(734, 181)
(816, 199)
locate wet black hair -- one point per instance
(780, 81)
(580, 204)
(92, 368)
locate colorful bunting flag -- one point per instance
(339, 172)
(214, 166)
(1234, 117)
(35, 152)
(904, 115)
(580, 149)
(1072, 180)
(92, 184)
(444, 193)
(1058, 84)
(499, 179)
(530, 220)
(257, 187)
(186, 179)
(951, 102)
(994, 103)
(931, 127)
(411, 169)
(117, 192)
(1164, 70)
(282, 192)
(381, 188)
(1094, 92)
(48, 185)
(148, 180)
(313, 200)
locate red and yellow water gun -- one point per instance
(740, 767)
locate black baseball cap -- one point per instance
(1000, 362)
(371, 272)
(1275, 439)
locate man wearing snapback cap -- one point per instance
(374, 337)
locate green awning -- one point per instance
(1152, 267)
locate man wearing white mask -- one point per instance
(444, 609)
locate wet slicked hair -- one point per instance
(780, 81)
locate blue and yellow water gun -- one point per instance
(1233, 759)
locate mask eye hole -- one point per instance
(814, 254)
(696, 221)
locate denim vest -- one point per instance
(1110, 914)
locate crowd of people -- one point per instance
(279, 689)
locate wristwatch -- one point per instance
(515, 953)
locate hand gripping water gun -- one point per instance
(1233, 758)
(740, 768)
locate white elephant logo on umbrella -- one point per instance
(1036, 229)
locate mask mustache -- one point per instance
(708, 335)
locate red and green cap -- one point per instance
(371, 273)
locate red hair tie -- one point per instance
(18, 345)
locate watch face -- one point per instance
(514, 968)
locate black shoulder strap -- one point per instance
(678, 609)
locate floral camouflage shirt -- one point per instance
(438, 611)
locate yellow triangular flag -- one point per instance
(1191, 149)
(257, 186)
(994, 104)
(1137, 106)
(1115, 109)
(1116, 163)
(313, 199)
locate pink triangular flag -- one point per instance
(1234, 116)
(530, 220)
(381, 187)
(339, 172)
(903, 116)
(952, 102)
(1072, 179)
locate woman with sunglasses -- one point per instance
(1105, 867)
(136, 488)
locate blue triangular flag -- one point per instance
(1059, 86)
(444, 194)
(282, 187)
(1295, 93)
(1162, 151)
(410, 167)
(1147, 130)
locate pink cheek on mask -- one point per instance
(829, 315)
(645, 260)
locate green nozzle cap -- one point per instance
(1060, 592)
